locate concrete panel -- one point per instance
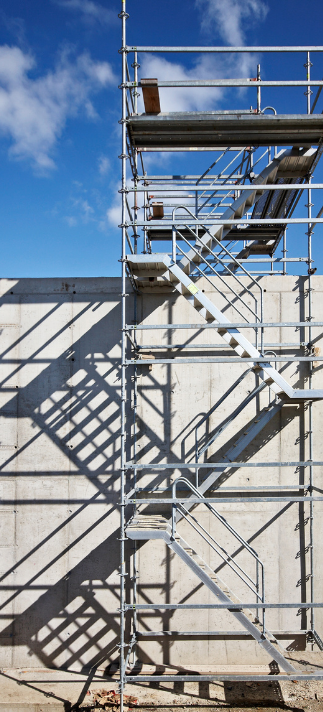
(59, 474)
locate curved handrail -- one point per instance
(226, 558)
(228, 526)
(216, 513)
(234, 259)
(215, 406)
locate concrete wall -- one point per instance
(60, 448)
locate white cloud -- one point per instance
(227, 16)
(91, 12)
(70, 220)
(206, 67)
(84, 209)
(104, 165)
(181, 98)
(113, 214)
(33, 112)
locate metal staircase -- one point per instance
(145, 527)
(232, 336)
(177, 274)
(218, 475)
(239, 207)
(223, 224)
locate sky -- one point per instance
(60, 106)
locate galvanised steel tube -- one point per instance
(193, 606)
(220, 359)
(232, 50)
(220, 221)
(135, 396)
(226, 500)
(222, 520)
(232, 83)
(184, 512)
(310, 406)
(310, 411)
(215, 274)
(222, 678)
(233, 259)
(217, 405)
(229, 463)
(251, 187)
(123, 16)
(233, 325)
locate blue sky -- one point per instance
(60, 105)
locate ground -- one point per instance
(43, 690)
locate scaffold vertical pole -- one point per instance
(310, 406)
(123, 16)
(135, 389)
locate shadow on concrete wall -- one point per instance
(81, 583)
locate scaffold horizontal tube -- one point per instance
(219, 359)
(292, 48)
(232, 83)
(189, 606)
(224, 500)
(222, 678)
(193, 465)
(221, 221)
(233, 325)
(251, 187)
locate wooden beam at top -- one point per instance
(150, 95)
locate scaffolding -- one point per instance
(224, 225)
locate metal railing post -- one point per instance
(174, 245)
(174, 508)
(258, 91)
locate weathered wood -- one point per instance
(158, 210)
(150, 95)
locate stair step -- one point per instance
(153, 522)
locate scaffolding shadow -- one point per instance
(60, 599)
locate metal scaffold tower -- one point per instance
(211, 237)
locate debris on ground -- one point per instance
(110, 700)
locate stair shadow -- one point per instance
(74, 635)
(253, 693)
(67, 624)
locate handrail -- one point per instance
(246, 272)
(216, 514)
(219, 259)
(229, 559)
(229, 176)
(213, 285)
(216, 405)
(174, 230)
(199, 241)
(231, 417)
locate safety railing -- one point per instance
(201, 448)
(255, 585)
(197, 251)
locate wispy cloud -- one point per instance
(33, 112)
(227, 17)
(103, 165)
(181, 98)
(90, 12)
(70, 220)
(84, 205)
(206, 67)
(113, 214)
(223, 18)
